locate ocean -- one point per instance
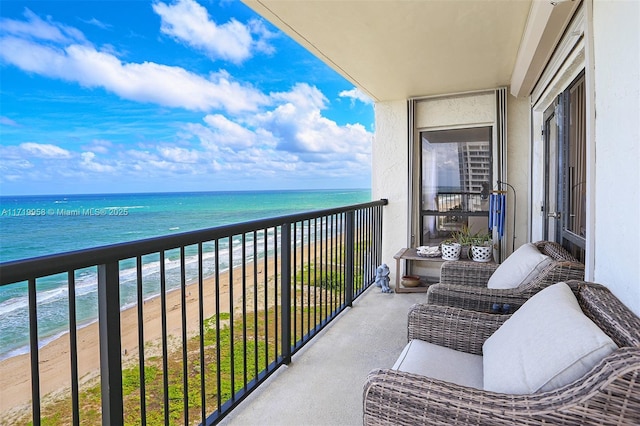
(32, 226)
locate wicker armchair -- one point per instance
(463, 284)
(608, 395)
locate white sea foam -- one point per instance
(150, 215)
(126, 207)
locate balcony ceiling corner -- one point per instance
(544, 29)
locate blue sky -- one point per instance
(173, 95)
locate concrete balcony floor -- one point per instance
(323, 383)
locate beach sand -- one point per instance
(55, 376)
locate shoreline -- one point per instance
(54, 357)
(25, 349)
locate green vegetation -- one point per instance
(330, 274)
(58, 412)
(318, 292)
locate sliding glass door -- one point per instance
(565, 169)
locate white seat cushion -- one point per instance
(520, 268)
(546, 344)
(441, 363)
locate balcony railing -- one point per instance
(259, 291)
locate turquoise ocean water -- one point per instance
(32, 226)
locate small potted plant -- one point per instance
(482, 248)
(465, 239)
(450, 249)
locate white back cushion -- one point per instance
(546, 344)
(520, 268)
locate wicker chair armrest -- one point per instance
(608, 312)
(477, 299)
(453, 328)
(464, 272)
(558, 272)
(555, 251)
(488, 300)
(608, 395)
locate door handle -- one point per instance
(555, 215)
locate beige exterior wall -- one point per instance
(479, 109)
(456, 111)
(448, 112)
(616, 43)
(391, 159)
(518, 170)
(390, 177)
(614, 247)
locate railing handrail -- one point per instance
(304, 269)
(25, 269)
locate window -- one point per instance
(455, 167)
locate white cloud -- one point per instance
(88, 163)
(299, 126)
(356, 95)
(142, 82)
(97, 23)
(303, 97)
(282, 135)
(99, 146)
(39, 150)
(228, 133)
(6, 121)
(179, 155)
(36, 28)
(291, 141)
(189, 22)
(264, 35)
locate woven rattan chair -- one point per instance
(463, 284)
(608, 395)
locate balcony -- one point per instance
(273, 285)
(323, 384)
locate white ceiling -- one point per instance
(395, 50)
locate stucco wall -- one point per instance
(518, 175)
(390, 177)
(456, 111)
(616, 43)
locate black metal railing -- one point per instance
(450, 212)
(458, 203)
(234, 303)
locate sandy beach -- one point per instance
(55, 359)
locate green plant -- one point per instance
(482, 239)
(463, 236)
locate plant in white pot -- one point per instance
(465, 239)
(482, 248)
(450, 249)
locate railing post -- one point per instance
(285, 294)
(110, 344)
(33, 339)
(350, 256)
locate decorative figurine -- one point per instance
(382, 278)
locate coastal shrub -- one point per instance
(247, 335)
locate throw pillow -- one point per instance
(546, 344)
(520, 268)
